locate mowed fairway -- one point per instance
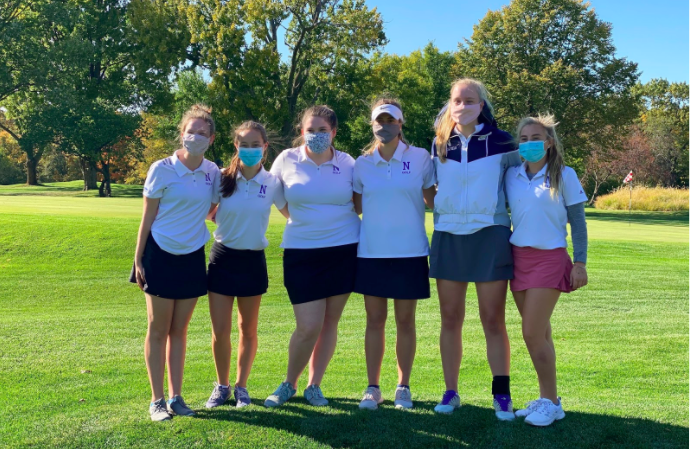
(72, 372)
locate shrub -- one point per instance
(645, 198)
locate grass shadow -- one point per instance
(342, 424)
(680, 218)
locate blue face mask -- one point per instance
(532, 151)
(250, 156)
(318, 142)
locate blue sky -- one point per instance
(653, 34)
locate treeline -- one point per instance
(94, 89)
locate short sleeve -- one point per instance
(429, 172)
(279, 200)
(573, 193)
(155, 183)
(278, 165)
(358, 184)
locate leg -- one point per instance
(309, 321)
(327, 341)
(492, 311)
(220, 307)
(376, 316)
(405, 317)
(451, 295)
(177, 341)
(519, 301)
(159, 315)
(248, 310)
(537, 309)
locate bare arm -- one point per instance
(151, 207)
(212, 214)
(358, 203)
(285, 211)
(429, 195)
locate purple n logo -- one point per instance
(406, 165)
(208, 177)
(335, 170)
(263, 190)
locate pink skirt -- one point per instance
(541, 268)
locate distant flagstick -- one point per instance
(629, 180)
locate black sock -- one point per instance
(403, 385)
(500, 385)
(374, 386)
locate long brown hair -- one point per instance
(322, 111)
(200, 111)
(375, 142)
(229, 183)
(554, 155)
(446, 124)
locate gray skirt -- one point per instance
(484, 256)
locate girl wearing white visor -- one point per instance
(391, 180)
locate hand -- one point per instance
(578, 276)
(139, 274)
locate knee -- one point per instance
(451, 320)
(178, 331)
(247, 329)
(494, 323)
(157, 332)
(308, 332)
(534, 339)
(406, 322)
(376, 320)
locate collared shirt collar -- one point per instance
(259, 178)
(398, 155)
(303, 157)
(181, 169)
(522, 171)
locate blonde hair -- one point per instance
(322, 111)
(228, 176)
(196, 111)
(373, 145)
(445, 124)
(554, 155)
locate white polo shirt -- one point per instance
(242, 218)
(393, 223)
(185, 198)
(539, 221)
(320, 199)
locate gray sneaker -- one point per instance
(371, 398)
(158, 412)
(282, 394)
(242, 397)
(403, 398)
(219, 396)
(314, 396)
(177, 406)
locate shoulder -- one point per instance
(361, 160)
(344, 158)
(289, 153)
(512, 172)
(210, 166)
(569, 175)
(272, 178)
(162, 165)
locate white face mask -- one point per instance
(195, 144)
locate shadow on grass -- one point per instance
(342, 424)
(648, 218)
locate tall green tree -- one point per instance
(556, 56)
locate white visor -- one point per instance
(391, 109)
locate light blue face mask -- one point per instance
(250, 156)
(532, 151)
(318, 142)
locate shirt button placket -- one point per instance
(389, 171)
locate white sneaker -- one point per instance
(403, 398)
(314, 396)
(545, 413)
(371, 398)
(529, 408)
(451, 401)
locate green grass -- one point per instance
(66, 307)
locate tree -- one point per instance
(554, 56)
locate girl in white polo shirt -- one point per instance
(471, 235)
(544, 195)
(390, 182)
(320, 242)
(237, 265)
(170, 265)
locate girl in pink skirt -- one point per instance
(544, 195)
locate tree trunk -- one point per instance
(89, 173)
(31, 178)
(105, 187)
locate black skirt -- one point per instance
(318, 273)
(397, 278)
(172, 276)
(237, 272)
(483, 256)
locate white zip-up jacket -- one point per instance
(470, 182)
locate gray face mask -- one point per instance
(385, 133)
